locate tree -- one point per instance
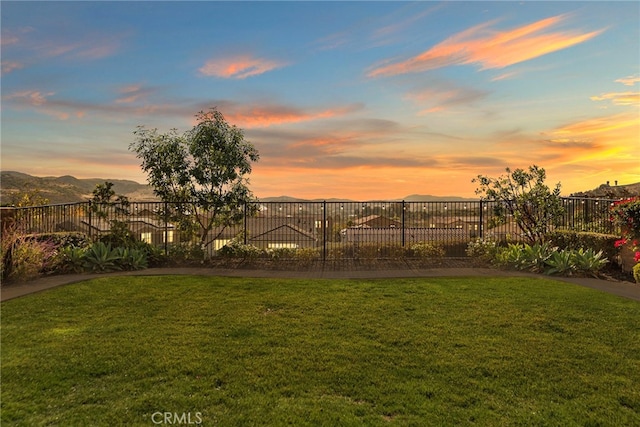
(114, 208)
(522, 195)
(204, 170)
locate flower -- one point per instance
(620, 242)
(636, 258)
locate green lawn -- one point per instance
(243, 352)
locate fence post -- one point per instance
(245, 223)
(403, 233)
(481, 221)
(166, 228)
(324, 230)
(90, 217)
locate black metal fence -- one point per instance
(335, 230)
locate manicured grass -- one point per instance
(240, 352)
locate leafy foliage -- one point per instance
(100, 258)
(425, 250)
(560, 262)
(523, 196)
(544, 258)
(626, 215)
(237, 249)
(71, 259)
(202, 171)
(131, 259)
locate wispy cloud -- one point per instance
(445, 96)
(629, 80)
(239, 67)
(133, 93)
(488, 48)
(9, 66)
(37, 100)
(619, 98)
(256, 116)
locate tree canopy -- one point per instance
(202, 173)
(523, 196)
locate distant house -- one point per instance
(144, 228)
(470, 224)
(376, 221)
(395, 235)
(273, 232)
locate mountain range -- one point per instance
(68, 189)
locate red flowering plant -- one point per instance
(626, 215)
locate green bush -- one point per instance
(567, 239)
(71, 259)
(280, 253)
(306, 256)
(560, 262)
(391, 251)
(425, 250)
(100, 258)
(550, 260)
(66, 239)
(482, 251)
(156, 256)
(636, 272)
(237, 249)
(588, 261)
(131, 258)
(185, 251)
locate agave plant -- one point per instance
(589, 261)
(72, 259)
(560, 262)
(131, 259)
(535, 256)
(101, 258)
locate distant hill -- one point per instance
(607, 191)
(67, 189)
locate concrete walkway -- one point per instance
(15, 290)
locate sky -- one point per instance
(358, 100)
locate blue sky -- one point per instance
(365, 100)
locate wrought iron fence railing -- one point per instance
(333, 229)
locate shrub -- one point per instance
(236, 249)
(588, 261)
(100, 258)
(131, 258)
(535, 257)
(636, 272)
(156, 257)
(66, 239)
(281, 253)
(391, 251)
(560, 262)
(185, 251)
(425, 250)
(306, 256)
(568, 239)
(30, 257)
(482, 251)
(71, 259)
(119, 235)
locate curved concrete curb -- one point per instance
(623, 289)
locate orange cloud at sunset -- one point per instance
(238, 67)
(609, 143)
(620, 98)
(490, 48)
(272, 115)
